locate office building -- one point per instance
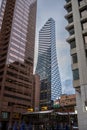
(77, 28)
(47, 65)
(17, 39)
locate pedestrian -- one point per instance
(9, 126)
(66, 127)
(0, 125)
(15, 126)
(22, 126)
(30, 126)
(58, 127)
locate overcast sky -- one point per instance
(0, 2)
(55, 9)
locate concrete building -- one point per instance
(77, 28)
(17, 39)
(47, 65)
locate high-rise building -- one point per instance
(47, 65)
(17, 39)
(77, 28)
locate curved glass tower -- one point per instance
(47, 65)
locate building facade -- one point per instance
(68, 100)
(66, 103)
(17, 39)
(47, 66)
(77, 28)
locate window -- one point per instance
(74, 58)
(70, 19)
(68, 0)
(5, 115)
(85, 39)
(69, 9)
(86, 52)
(84, 25)
(71, 31)
(76, 74)
(72, 44)
(83, 13)
(81, 2)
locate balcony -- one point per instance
(82, 4)
(84, 18)
(68, 15)
(69, 26)
(70, 38)
(74, 66)
(73, 51)
(68, 3)
(84, 32)
(82, 8)
(86, 46)
(76, 83)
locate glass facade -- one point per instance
(47, 65)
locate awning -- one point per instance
(39, 112)
(66, 113)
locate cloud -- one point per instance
(64, 59)
(64, 63)
(67, 87)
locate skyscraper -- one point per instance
(17, 39)
(47, 65)
(77, 28)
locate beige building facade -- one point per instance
(77, 28)
(68, 100)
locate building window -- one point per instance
(68, 0)
(85, 39)
(5, 115)
(70, 19)
(69, 9)
(86, 52)
(81, 2)
(74, 58)
(72, 44)
(83, 13)
(71, 31)
(84, 25)
(76, 74)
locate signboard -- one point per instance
(16, 115)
